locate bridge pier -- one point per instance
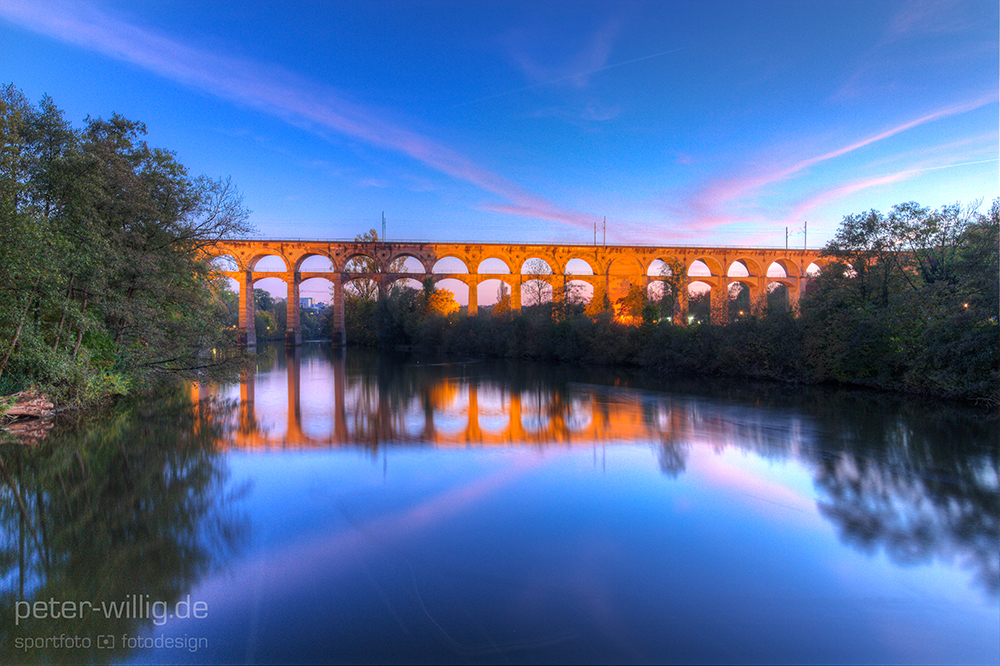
(293, 366)
(248, 311)
(293, 327)
(473, 298)
(339, 332)
(681, 309)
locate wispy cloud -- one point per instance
(271, 89)
(707, 207)
(900, 52)
(576, 76)
(801, 208)
(574, 71)
(921, 17)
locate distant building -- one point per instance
(312, 305)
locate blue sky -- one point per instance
(681, 122)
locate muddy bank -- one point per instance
(27, 415)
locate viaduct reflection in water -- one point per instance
(456, 404)
(918, 481)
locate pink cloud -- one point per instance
(705, 207)
(800, 209)
(271, 89)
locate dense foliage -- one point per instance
(104, 285)
(909, 302)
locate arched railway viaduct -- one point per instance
(614, 268)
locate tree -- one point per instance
(536, 290)
(869, 246)
(502, 307)
(437, 302)
(104, 280)
(671, 277)
(740, 302)
(631, 306)
(901, 305)
(600, 304)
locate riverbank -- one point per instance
(777, 347)
(27, 415)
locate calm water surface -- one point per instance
(352, 507)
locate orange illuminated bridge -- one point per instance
(611, 268)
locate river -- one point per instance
(347, 506)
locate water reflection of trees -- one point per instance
(915, 479)
(918, 481)
(136, 504)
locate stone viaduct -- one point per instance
(613, 268)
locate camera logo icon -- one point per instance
(106, 642)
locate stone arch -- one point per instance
(487, 289)
(312, 285)
(537, 291)
(458, 288)
(548, 270)
(699, 302)
(406, 265)
(620, 273)
(789, 267)
(447, 262)
(751, 266)
(315, 296)
(493, 257)
(224, 262)
(362, 286)
(662, 265)
(623, 265)
(576, 268)
(314, 258)
(270, 284)
(352, 259)
(579, 291)
(789, 282)
(713, 266)
(779, 295)
(256, 259)
(538, 281)
(740, 297)
(404, 282)
(813, 269)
